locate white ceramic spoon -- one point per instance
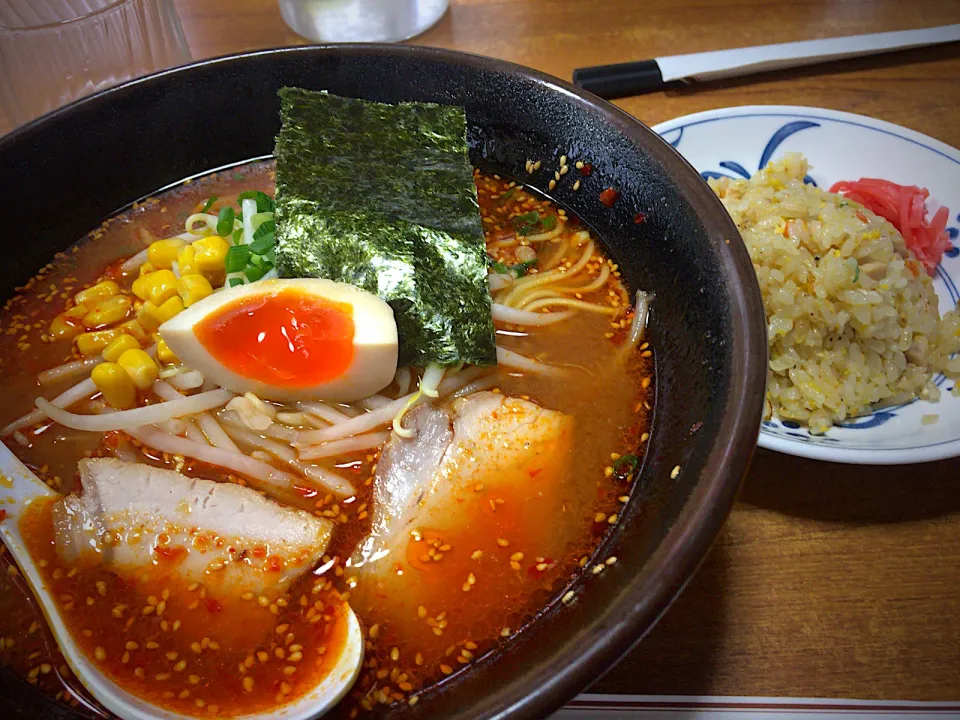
(18, 488)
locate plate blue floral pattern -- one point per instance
(750, 137)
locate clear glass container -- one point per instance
(361, 20)
(55, 51)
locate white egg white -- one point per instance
(374, 361)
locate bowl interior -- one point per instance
(77, 166)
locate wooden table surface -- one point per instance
(828, 580)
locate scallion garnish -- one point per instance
(237, 258)
(265, 203)
(254, 273)
(233, 282)
(626, 465)
(225, 221)
(209, 203)
(527, 223)
(261, 244)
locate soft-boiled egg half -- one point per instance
(287, 340)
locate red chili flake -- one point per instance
(306, 492)
(259, 551)
(212, 605)
(274, 564)
(3, 515)
(609, 196)
(533, 472)
(639, 218)
(861, 216)
(587, 169)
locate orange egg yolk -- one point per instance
(288, 338)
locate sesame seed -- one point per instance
(564, 169)
(374, 630)
(612, 519)
(505, 632)
(180, 666)
(556, 176)
(131, 645)
(281, 629)
(263, 601)
(503, 543)
(675, 473)
(552, 184)
(413, 700)
(612, 560)
(579, 165)
(160, 677)
(289, 670)
(152, 645)
(517, 556)
(280, 653)
(262, 656)
(568, 597)
(172, 655)
(99, 653)
(445, 669)
(418, 659)
(476, 555)
(597, 569)
(248, 684)
(194, 679)
(576, 184)
(140, 673)
(184, 694)
(395, 654)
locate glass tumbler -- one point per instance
(361, 20)
(55, 51)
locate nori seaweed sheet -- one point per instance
(382, 197)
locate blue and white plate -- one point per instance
(737, 141)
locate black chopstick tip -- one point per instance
(620, 80)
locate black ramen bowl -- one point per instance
(71, 169)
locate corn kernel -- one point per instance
(172, 307)
(165, 354)
(115, 385)
(140, 367)
(157, 287)
(193, 288)
(163, 253)
(210, 253)
(108, 312)
(146, 269)
(149, 316)
(187, 260)
(62, 326)
(93, 343)
(96, 293)
(118, 346)
(132, 327)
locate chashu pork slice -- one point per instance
(476, 450)
(143, 522)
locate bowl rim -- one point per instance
(686, 544)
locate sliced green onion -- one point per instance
(254, 273)
(237, 236)
(209, 203)
(548, 222)
(225, 221)
(626, 464)
(265, 203)
(499, 267)
(262, 244)
(233, 282)
(527, 223)
(520, 269)
(237, 258)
